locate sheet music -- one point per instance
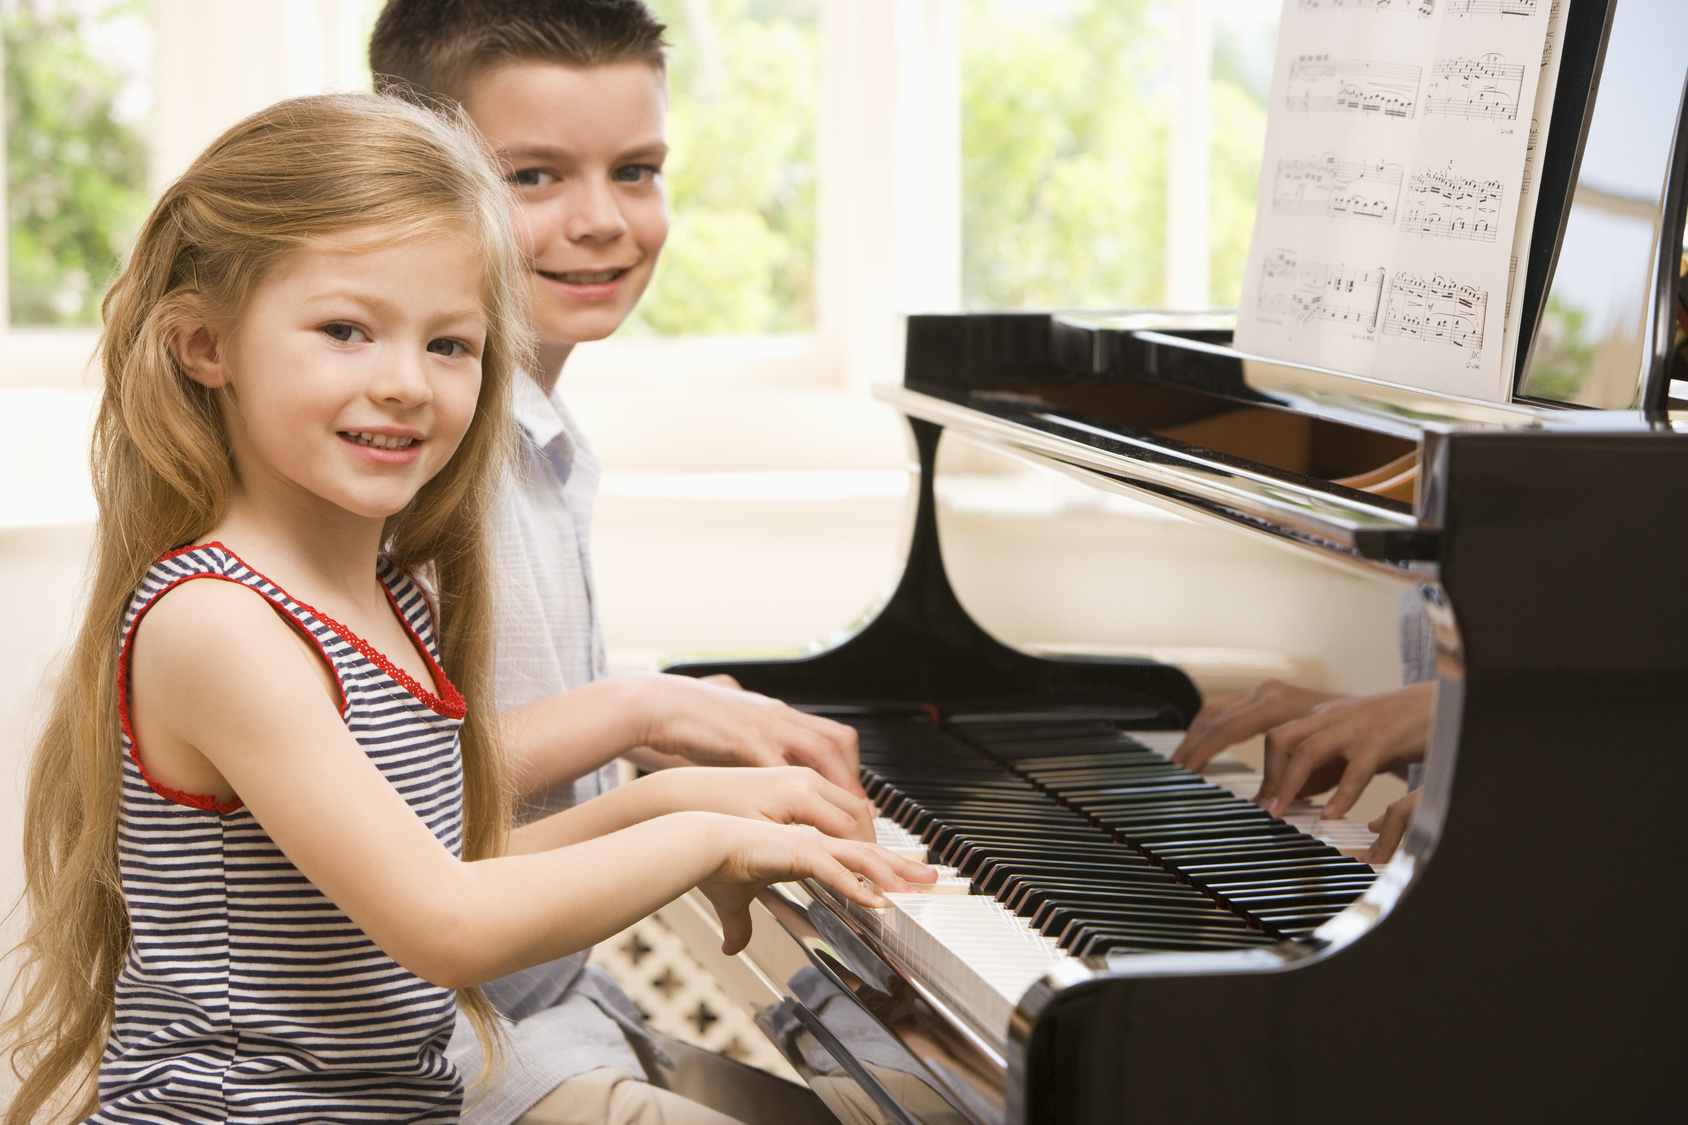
(1546, 87)
(1392, 186)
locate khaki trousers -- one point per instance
(702, 1088)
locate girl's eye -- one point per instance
(532, 177)
(447, 347)
(344, 333)
(637, 173)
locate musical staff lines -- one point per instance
(1319, 83)
(1530, 157)
(1314, 291)
(1448, 205)
(1488, 87)
(1424, 8)
(1438, 311)
(1525, 8)
(1324, 185)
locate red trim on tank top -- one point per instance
(205, 802)
(449, 702)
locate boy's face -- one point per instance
(585, 149)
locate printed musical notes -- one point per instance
(1292, 290)
(1324, 185)
(1486, 87)
(1437, 311)
(1319, 84)
(1522, 8)
(1449, 205)
(1424, 8)
(1390, 195)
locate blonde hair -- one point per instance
(295, 172)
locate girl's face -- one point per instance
(353, 371)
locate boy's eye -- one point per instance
(532, 177)
(637, 173)
(344, 333)
(448, 347)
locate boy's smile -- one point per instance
(584, 148)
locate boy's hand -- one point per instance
(779, 795)
(714, 723)
(761, 854)
(1345, 742)
(1391, 827)
(1231, 719)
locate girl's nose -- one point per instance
(402, 380)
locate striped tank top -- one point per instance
(246, 995)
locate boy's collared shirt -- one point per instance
(568, 1019)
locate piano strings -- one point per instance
(1324, 185)
(1489, 88)
(1449, 205)
(1315, 291)
(1319, 83)
(1436, 311)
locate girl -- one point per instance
(267, 830)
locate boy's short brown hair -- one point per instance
(438, 48)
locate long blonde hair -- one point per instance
(297, 171)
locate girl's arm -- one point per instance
(680, 719)
(229, 699)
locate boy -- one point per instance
(572, 94)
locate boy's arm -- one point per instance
(570, 734)
(229, 683)
(778, 795)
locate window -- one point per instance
(77, 98)
(744, 127)
(1087, 125)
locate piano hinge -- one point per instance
(1399, 544)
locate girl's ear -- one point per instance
(198, 348)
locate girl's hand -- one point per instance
(760, 854)
(781, 795)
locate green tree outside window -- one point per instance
(75, 167)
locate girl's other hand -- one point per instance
(761, 854)
(780, 794)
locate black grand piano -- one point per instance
(1136, 944)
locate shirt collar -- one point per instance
(540, 415)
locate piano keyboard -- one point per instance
(1060, 839)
